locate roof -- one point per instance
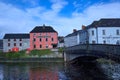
(61, 39)
(16, 36)
(73, 34)
(110, 22)
(43, 28)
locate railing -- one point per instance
(112, 49)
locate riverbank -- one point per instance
(110, 68)
(31, 60)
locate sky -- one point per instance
(21, 16)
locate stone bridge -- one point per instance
(92, 52)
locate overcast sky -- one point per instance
(21, 16)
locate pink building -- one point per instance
(43, 37)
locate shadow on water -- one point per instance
(85, 71)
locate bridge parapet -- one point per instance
(112, 49)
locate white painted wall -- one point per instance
(70, 41)
(110, 36)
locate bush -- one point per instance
(12, 55)
(61, 50)
(40, 52)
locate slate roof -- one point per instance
(73, 34)
(110, 22)
(61, 39)
(16, 36)
(43, 28)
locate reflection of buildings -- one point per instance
(43, 74)
(1, 72)
(16, 72)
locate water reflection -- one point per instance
(85, 71)
(51, 71)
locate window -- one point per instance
(46, 39)
(20, 39)
(14, 39)
(104, 42)
(8, 44)
(46, 46)
(93, 42)
(52, 39)
(20, 44)
(40, 39)
(34, 39)
(14, 44)
(117, 32)
(103, 31)
(40, 46)
(92, 32)
(34, 46)
(8, 39)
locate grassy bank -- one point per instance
(29, 60)
(23, 54)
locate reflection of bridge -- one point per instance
(92, 52)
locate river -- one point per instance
(58, 71)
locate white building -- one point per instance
(75, 38)
(104, 31)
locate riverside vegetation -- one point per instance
(32, 54)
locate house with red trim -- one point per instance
(43, 37)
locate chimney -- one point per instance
(83, 27)
(43, 26)
(74, 30)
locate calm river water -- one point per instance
(54, 71)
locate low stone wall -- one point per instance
(31, 60)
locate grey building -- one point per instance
(22, 41)
(60, 41)
(77, 37)
(72, 39)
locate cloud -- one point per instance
(14, 20)
(58, 5)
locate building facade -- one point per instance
(1, 45)
(20, 41)
(71, 39)
(60, 42)
(104, 31)
(43, 37)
